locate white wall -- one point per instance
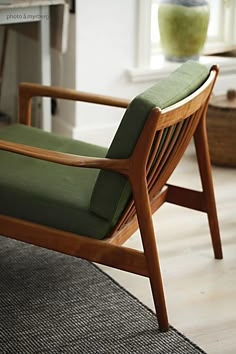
(106, 47)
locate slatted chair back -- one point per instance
(110, 202)
(168, 134)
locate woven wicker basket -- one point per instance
(221, 129)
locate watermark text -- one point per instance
(26, 17)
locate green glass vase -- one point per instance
(183, 28)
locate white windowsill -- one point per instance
(160, 68)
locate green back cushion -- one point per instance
(112, 191)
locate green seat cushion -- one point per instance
(48, 193)
(182, 82)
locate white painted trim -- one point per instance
(61, 126)
(229, 21)
(144, 33)
(45, 64)
(98, 135)
(85, 128)
(164, 68)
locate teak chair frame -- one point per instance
(146, 182)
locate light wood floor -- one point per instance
(200, 291)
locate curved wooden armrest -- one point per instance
(118, 165)
(28, 90)
(33, 90)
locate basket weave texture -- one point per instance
(221, 130)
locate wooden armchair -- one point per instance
(86, 201)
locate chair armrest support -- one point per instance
(117, 165)
(28, 90)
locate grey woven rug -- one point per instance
(52, 303)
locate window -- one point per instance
(221, 30)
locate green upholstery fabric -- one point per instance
(45, 192)
(184, 81)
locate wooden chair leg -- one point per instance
(144, 214)
(204, 163)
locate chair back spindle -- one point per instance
(175, 127)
